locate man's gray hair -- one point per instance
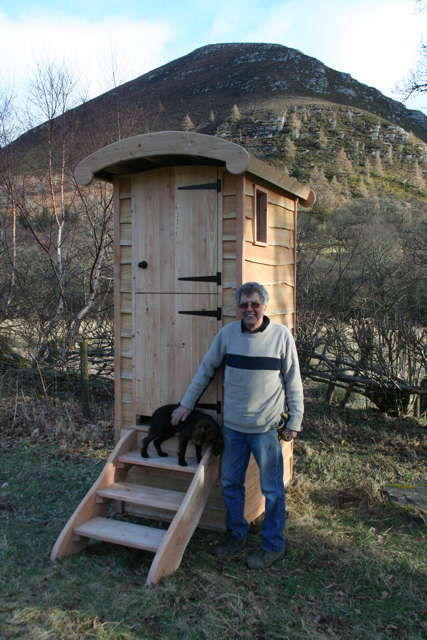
(248, 288)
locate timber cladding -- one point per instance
(123, 304)
(151, 222)
(273, 263)
(195, 216)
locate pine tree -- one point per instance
(343, 165)
(417, 179)
(290, 150)
(377, 164)
(235, 113)
(322, 139)
(187, 124)
(294, 124)
(362, 190)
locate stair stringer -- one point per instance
(67, 543)
(169, 554)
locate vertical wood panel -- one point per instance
(240, 241)
(196, 228)
(177, 232)
(295, 268)
(229, 206)
(154, 201)
(117, 315)
(169, 347)
(249, 206)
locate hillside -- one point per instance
(365, 156)
(282, 105)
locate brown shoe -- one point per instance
(263, 559)
(231, 546)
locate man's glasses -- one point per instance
(246, 305)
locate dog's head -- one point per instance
(207, 432)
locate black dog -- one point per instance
(198, 427)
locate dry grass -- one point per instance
(40, 417)
(355, 569)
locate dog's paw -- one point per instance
(144, 454)
(182, 463)
(163, 454)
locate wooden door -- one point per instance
(176, 282)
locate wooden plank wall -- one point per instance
(272, 265)
(123, 321)
(232, 242)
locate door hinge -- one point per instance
(216, 278)
(207, 185)
(213, 314)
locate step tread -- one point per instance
(125, 533)
(170, 463)
(143, 495)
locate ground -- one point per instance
(355, 567)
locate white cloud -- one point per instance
(135, 46)
(376, 42)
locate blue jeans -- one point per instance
(235, 459)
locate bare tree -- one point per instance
(8, 130)
(64, 232)
(361, 301)
(417, 81)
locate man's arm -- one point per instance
(293, 389)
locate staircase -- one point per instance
(89, 520)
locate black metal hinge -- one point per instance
(208, 185)
(216, 278)
(211, 407)
(213, 314)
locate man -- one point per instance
(261, 380)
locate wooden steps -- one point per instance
(143, 495)
(89, 522)
(124, 533)
(169, 463)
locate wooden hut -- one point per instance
(194, 217)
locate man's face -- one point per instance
(251, 310)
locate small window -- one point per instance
(260, 217)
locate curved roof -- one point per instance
(168, 148)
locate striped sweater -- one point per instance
(261, 378)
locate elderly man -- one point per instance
(261, 380)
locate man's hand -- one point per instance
(289, 435)
(179, 415)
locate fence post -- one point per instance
(84, 379)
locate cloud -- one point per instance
(90, 49)
(377, 43)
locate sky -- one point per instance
(107, 43)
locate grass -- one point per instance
(355, 568)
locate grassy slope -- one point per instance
(356, 565)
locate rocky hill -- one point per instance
(308, 119)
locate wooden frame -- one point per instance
(141, 153)
(260, 216)
(186, 236)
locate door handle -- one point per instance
(143, 264)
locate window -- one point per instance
(260, 217)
